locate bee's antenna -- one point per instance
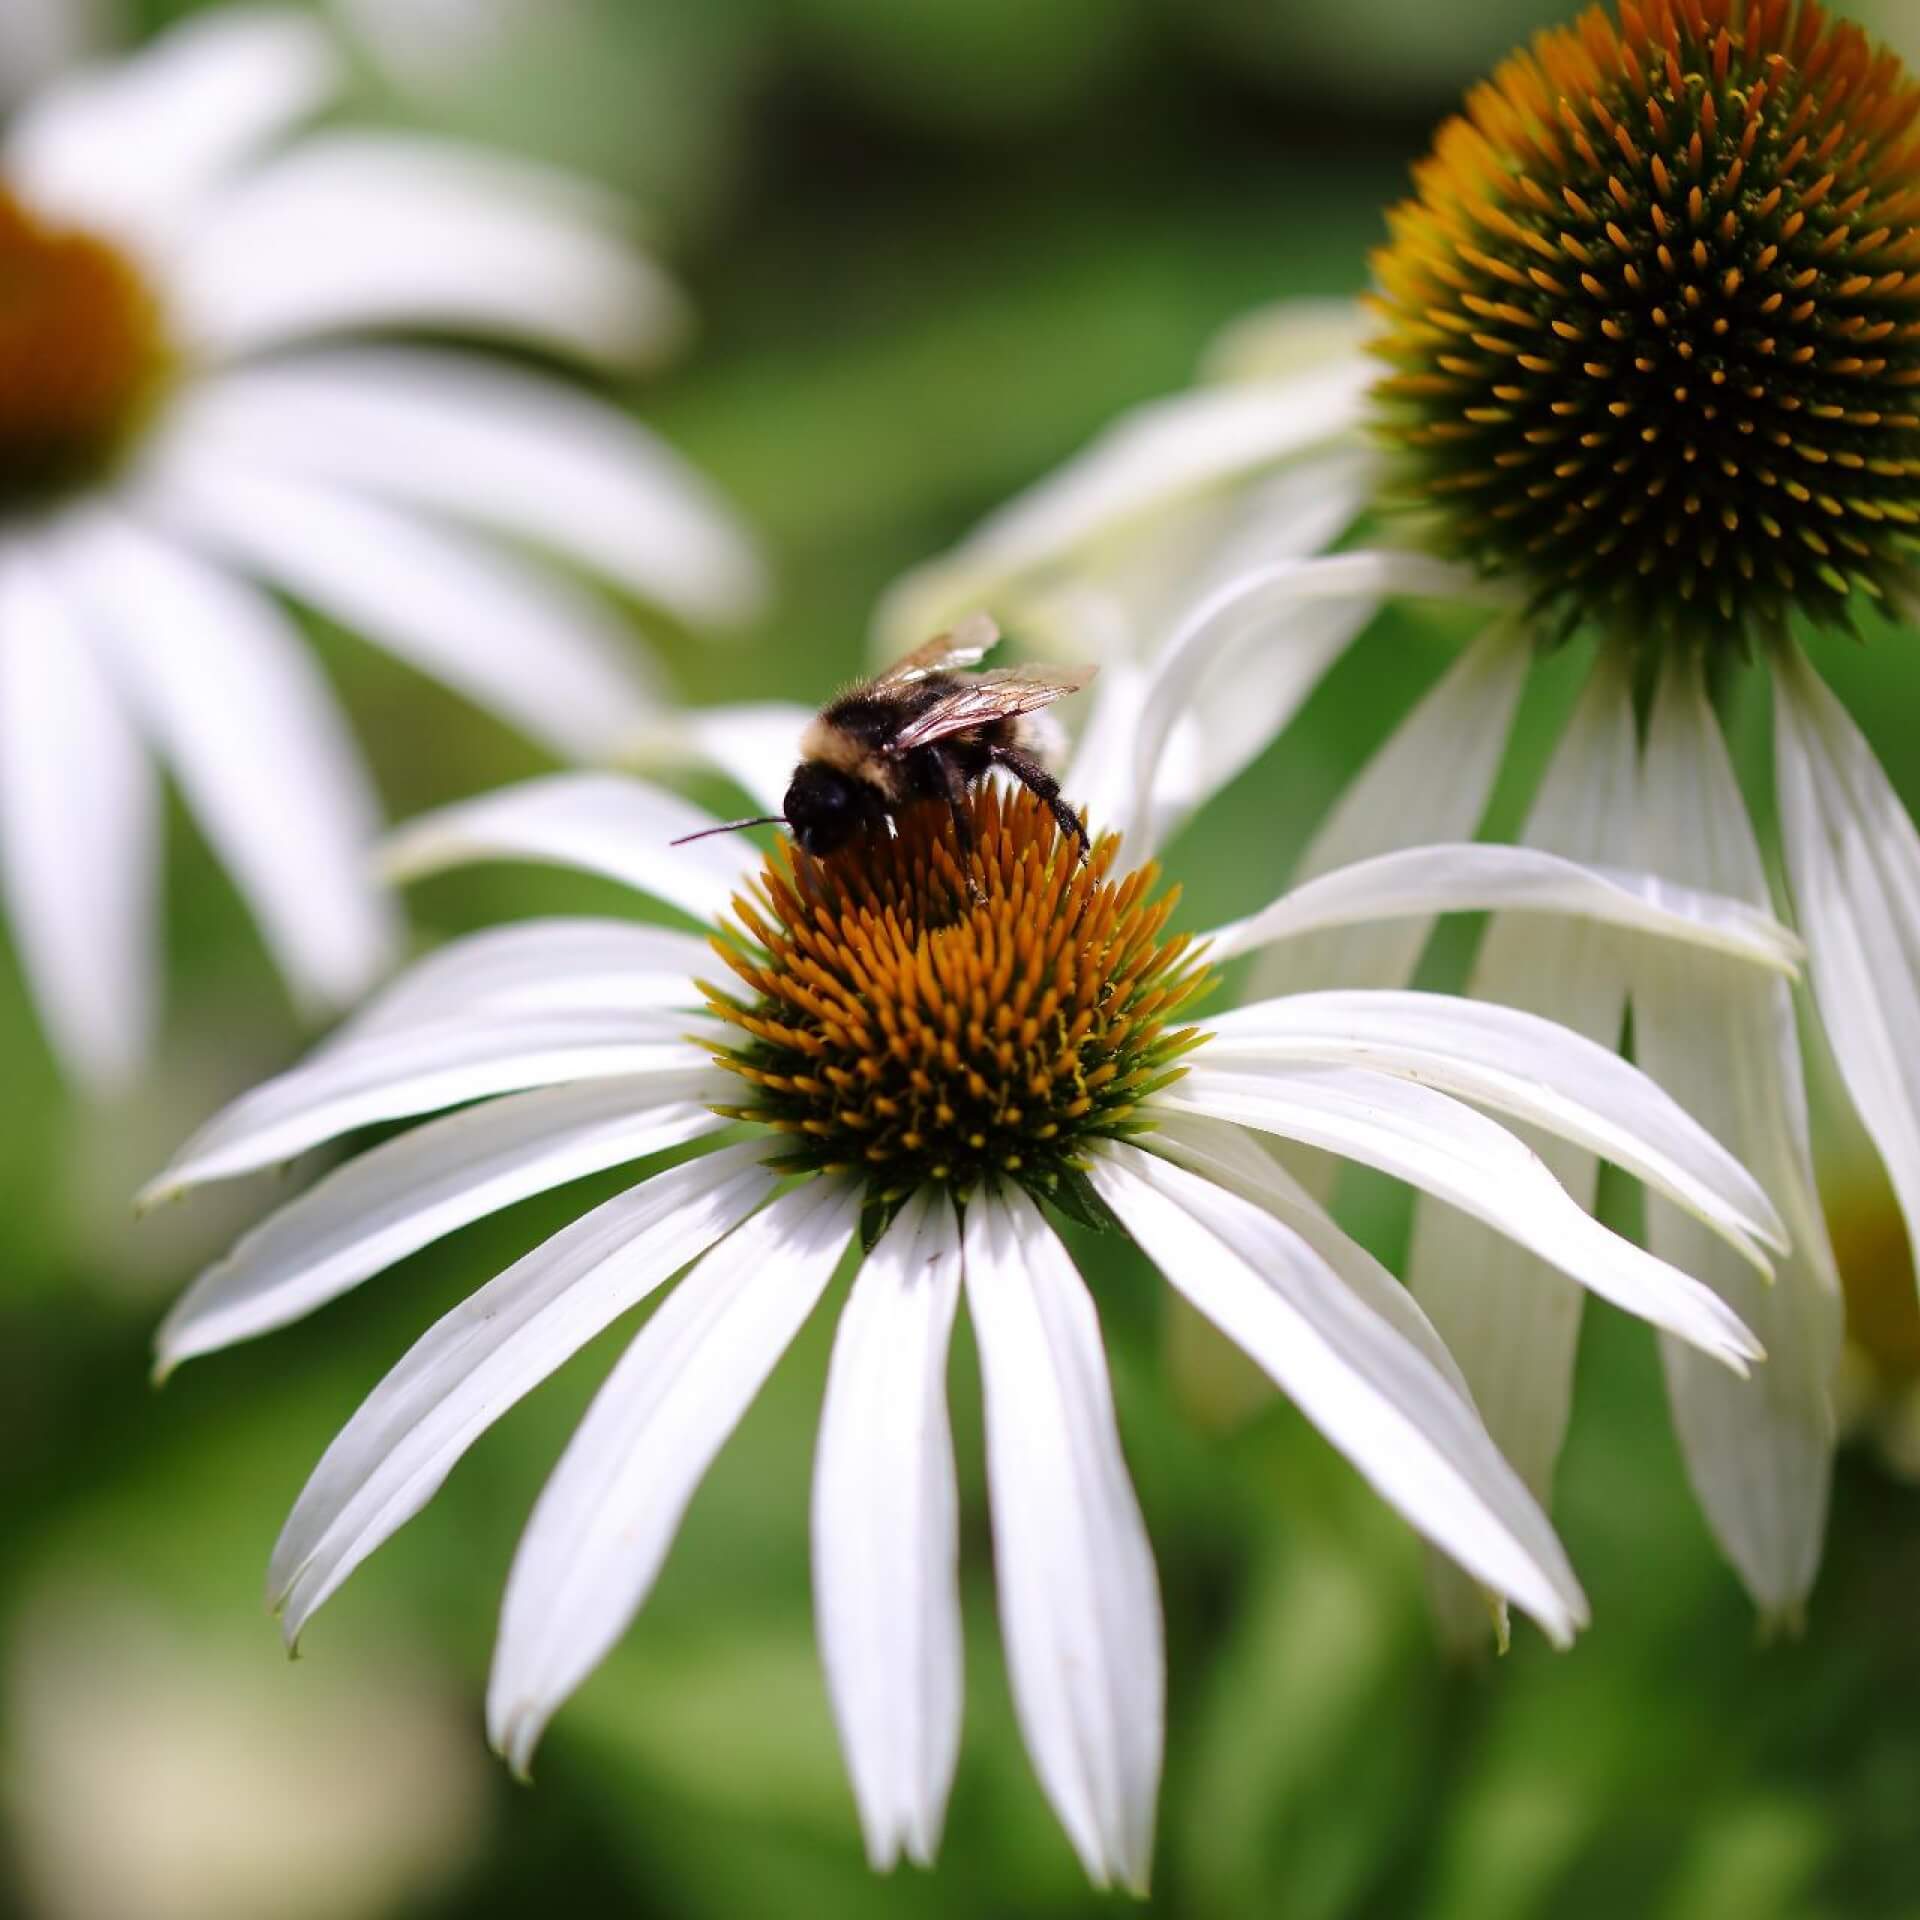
(732, 826)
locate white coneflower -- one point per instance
(171, 435)
(1653, 323)
(919, 1050)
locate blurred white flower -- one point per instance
(170, 1775)
(918, 1059)
(1682, 472)
(172, 439)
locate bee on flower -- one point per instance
(1641, 376)
(914, 1052)
(186, 421)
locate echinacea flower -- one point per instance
(174, 438)
(1652, 330)
(921, 1051)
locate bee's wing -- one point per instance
(967, 645)
(1004, 694)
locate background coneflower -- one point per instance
(1653, 322)
(175, 440)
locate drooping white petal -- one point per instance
(608, 1514)
(393, 1076)
(1255, 610)
(1512, 1319)
(1458, 1155)
(1853, 858)
(470, 1367)
(362, 230)
(412, 1190)
(1263, 656)
(1145, 462)
(620, 828)
(252, 733)
(886, 1539)
(1376, 1396)
(1519, 1065)
(1476, 878)
(524, 644)
(1230, 1157)
(1429, 782)
(1079, 1601)
(528, 458)
(1723, 1042)
(539, 967)
(79, 832)
(136, 144)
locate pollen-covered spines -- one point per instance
(918, 1012)
(1654, 320)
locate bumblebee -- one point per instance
(926, 729)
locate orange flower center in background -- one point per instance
(83, 356)
(1654, 315)
(918, 1011)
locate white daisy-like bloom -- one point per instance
(184, 425)
(1641, 371)
(920, 1051)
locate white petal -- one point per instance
(527, 457)
(1257, 676)
(620, 828)
(608, 1514)
(79, 833)
(1231, 1157)
(410, 1191)
(886, 1544)
(250, 728)
(1725, 1045)
(1414, 1435)
(1513, 1320)
(1429, 782)
(1257, 611)
(395, 1076)
(1853, 857)
(1099, 780)
(1476, 878)
(756, 745)
(470, 1367)
(1289, 336)
(1520, 1065)
(1458, 1155)
(1141, 465)
(524, 644)
(539, 967)
(1079, 1603)
(368, 230)
(136, 144)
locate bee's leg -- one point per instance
(1045, 788)
(954, 783)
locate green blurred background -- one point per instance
(935, 245)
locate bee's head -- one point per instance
(824, 806)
